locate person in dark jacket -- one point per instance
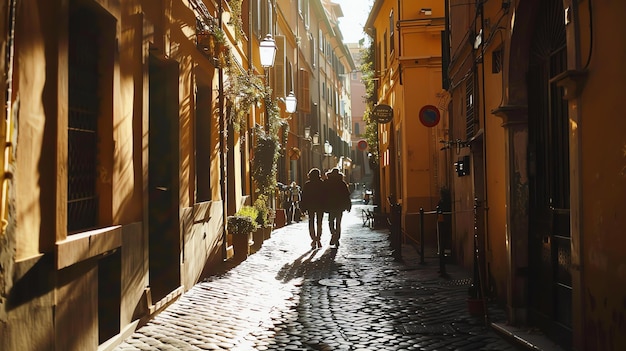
(312, 201)
(338, 200)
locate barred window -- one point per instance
(470, 115)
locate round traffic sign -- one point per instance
(429, 116)
(361, 145)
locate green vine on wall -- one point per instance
(368, 74)
(267, 150)
(243, 90)
(235, 17)
(265, 163)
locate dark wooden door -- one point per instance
(163, 222)
(550, 283)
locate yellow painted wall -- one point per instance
(602, 141)
(40, 87)
(410, 78)
(495, 249)
(492, 238)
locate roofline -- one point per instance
(369, 24)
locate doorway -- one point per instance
(550, 282)
(163, 160)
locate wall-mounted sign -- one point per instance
(294, 153)
(429, 115)
(382, 113)
(361, 145)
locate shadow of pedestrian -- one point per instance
(306, 264)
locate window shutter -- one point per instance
(279, 67)
(470, 117)
(304, 99)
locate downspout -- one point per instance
(223, 140)
(446, 86)
(301, 169)
(399, 41)
(485, 204)
(250, 71)
(319, 108)
(8, 118)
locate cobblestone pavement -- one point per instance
(289, 297)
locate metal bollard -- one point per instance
(421, 235)
(396, 230)
(440, 246)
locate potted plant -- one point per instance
(241, 225)
(264, 216)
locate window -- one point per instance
(263, 18)
(269, 17)
(496, 61)
(279, 70)
(203, 143)
(90, 62)
(303, 9)
(321, 40)
(378, 56)
(313, 50)
(257, 18)
(245, 19)
(391, 31)
(385, 51)
(470, 115)
(356, 129)
(304, 100)
(289, 78)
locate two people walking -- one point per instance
(331, 195)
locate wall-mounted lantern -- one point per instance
(267, 51)
(291, 103)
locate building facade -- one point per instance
(407, 77)
(130, 131)
(532, 97)
(521, 152)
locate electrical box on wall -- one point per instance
(462, 166)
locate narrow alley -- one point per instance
(289, 297)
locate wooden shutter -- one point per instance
(470, 115)
(279, 67)
(304, 99)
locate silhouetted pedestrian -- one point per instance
(338, 200)
(293, 193)
(312, 201)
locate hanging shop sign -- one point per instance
(429, 116)
(382, 114)
(361, 145)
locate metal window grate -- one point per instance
(82, 206)
(470, 116)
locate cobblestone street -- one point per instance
(289, 297)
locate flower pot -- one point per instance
(241, 246)
(257, 238)
(280, 219)
(267, 232)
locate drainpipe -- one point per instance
(485, 205)
(223, 140)
(399, 40)
(8, 126)
(319, 108)
(250, 71)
